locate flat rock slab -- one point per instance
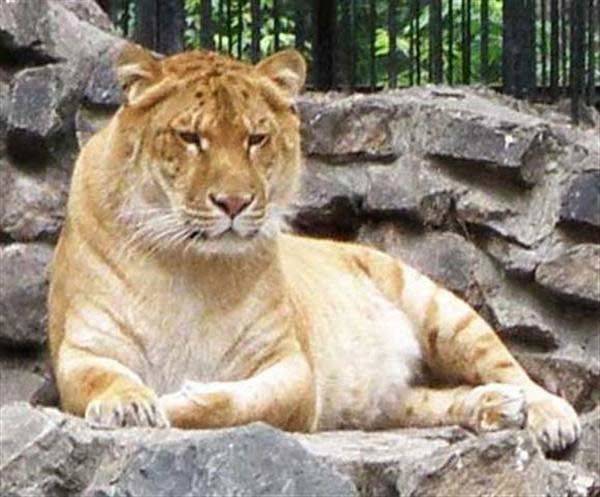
(45, 452)
(574, 274)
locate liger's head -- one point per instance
(211, 145)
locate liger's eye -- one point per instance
(191, 138)
(257, 140)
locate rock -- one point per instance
(516, 260)
(103, 88)
(373, 460)
(46, 453)
(44, 31)
(41, 110)
(587, 454)
(408, 188)
(350, 129)
(90, 12)
(581, 202)
(33, 206)
(329, 199)
(18, 385)
(23, 294)
(498, 464)
(574, 378)
(573, 275)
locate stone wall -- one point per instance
(496, 199)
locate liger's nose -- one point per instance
(232, 205)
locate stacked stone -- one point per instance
(493, 198)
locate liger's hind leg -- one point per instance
(460, 347)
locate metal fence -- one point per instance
(543, 49)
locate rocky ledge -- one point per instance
(44, 452)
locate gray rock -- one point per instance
(90, 12)
(574, 378)
(350, 129)
(23, 294)
(103, 88)
(374, 459)
(330, 198)
(43, 31)
(581, 202)
(587, 454)
(573, 275)
(41, 110)
(18, 385)
(33, 203)
(498, 464)
(46, 453)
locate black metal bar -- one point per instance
(554, 48)
(218, 25)
(485, 41)
(125, 18)
(299, 25)
(393, 33)
(466, 41)
(255, 13)
(564, 44)
(593, 49)
(450, 75)
(418, 40)
(347, 41)
(577, 66)
(544, 41)
(276, 25)
(437, 50)
(240, 27)
(372, 32)
(324, 12)
(170, 24)
(206, 25)
(530, 52)
(353, 45)
(411, 44)
(229, 27)
(146, 23)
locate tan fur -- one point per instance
(164, 310)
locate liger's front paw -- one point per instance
(495, 407)
(553, 421)
(130, 408)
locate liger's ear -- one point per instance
(137, 70)
(287, 69)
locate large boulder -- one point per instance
(580, 203)
(44, 452)
(23, 289)
(574, 275)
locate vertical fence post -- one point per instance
(353, 44)
(255, 28)
(554, 48)
(450, 76)
(466, 41)
(276, 25)
(577, 66)
(125, 18)
(437, 49)
(229, 27)
(347, 41)
(485, 41)
(518, 51)
(418, 40)
(324, 12)
(592, 48)
(146, 19)
(544, 42)
(240, 27)
(206, 25)
(564, 39)
(393, 33)
(170, 25)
